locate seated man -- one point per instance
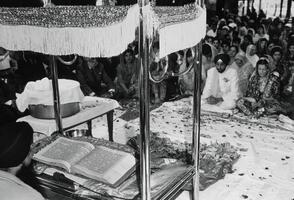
(15, 142)
(222, 84)
(91, 74)
(8, 109)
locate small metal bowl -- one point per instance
(77, 133)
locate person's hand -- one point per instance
(256, 105)
(250, 99)
(111, 92)
(106, 95)
(92, 94)
(131, 91)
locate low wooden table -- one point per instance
(92, 107)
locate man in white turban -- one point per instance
(222, 84)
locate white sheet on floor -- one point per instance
(265, 170)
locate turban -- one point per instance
(223, 57)
(15, 143)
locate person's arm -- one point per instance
(120, 79)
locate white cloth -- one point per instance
(188, 34)
(40, 92)
(257, 37)
(12, 188)
(251, 58)
(265, 168)
(211, 33)
(224, 85)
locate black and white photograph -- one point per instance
(146, 99)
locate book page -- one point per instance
(105, 164)
(64, 152)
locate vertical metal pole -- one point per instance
(56, 97)
(259, 7)
(144, 104)
(243, 9)
(202, 3)
(196, 119)
(281, 7)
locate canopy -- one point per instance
(97, 31)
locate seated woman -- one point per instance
(232, 53)
(261, 47)
(245, 70)
(158, 89)
(262, 96)
(127, 76)
(157, 68)
(279, 65)
(251, 54)
(186, 81)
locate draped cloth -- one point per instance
(98, 31)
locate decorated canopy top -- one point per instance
(97, 31)
(64, 16)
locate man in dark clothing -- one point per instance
(91, 74)
(8, 109)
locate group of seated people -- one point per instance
(242, 71)
(247, 66)
(250, 72)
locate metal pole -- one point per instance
(243, 9)
(202, 3)
(196, 119)
(56, 97)
(144, 104)
(281, 7)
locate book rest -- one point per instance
(92, 108)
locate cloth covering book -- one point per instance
(101, 163)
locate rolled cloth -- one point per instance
(223, 57)
(15, 142)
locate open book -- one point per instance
(101, 163)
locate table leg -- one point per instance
(110, 125)
(89, 123)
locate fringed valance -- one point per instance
(88, 31)
(101, 31)
(180, 27)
